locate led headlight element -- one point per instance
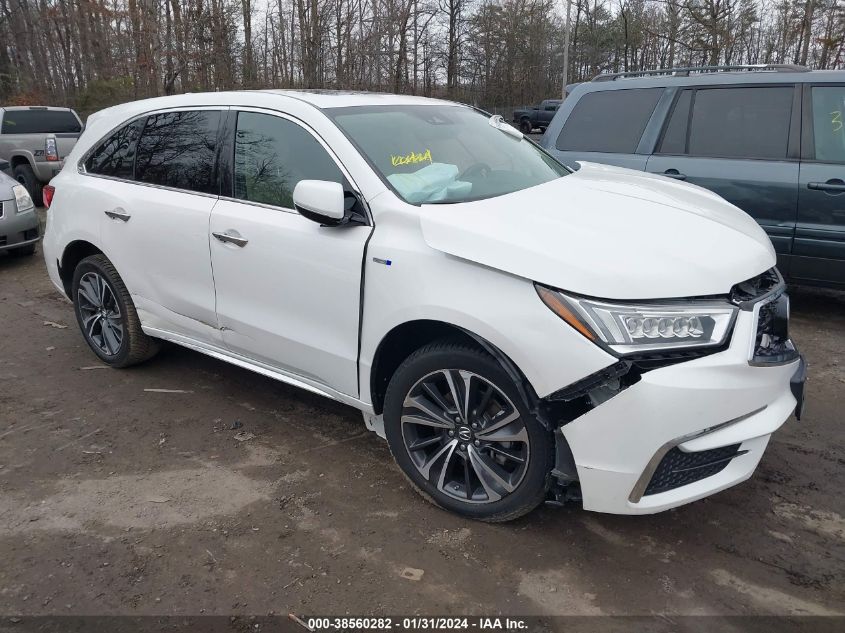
(630, 328)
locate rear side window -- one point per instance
(116, 155)
(741, 122)
(609, 121)
(177, 149)
(40, 122)
(829, 123)
(272, 155)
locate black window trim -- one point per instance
(793, 144)
(223, 109)
(808, 139)
(227, 162)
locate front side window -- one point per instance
(609, 121)
(829, 123)
(116, 155)
(741, 122)
(272, 155)
(444, 153)
(38, 121)
(177, 149)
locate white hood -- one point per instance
(607, 232)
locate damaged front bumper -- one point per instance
(651, 440)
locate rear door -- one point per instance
(819, 250)
(155, 185)
(607, 126)
(741, 142)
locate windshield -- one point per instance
(444, 153)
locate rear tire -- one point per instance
(485, 457)
(24, 175)
(106, 315)
(525, 126)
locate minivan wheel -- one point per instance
(107, 316)
(462, 435)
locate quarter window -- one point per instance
(609, 121)
(829, 123)
(272, 155)
(177, 149)
(116, 155)
(741, 122)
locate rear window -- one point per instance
(177, 149)
(609, 121)
(40, 122)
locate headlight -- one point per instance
(22, 200)
(631, 328)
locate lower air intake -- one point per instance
(678, 468)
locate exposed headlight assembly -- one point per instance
(635, 328)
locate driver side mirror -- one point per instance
(320, 201)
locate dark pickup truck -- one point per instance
(537, 116)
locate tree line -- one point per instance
(90, 54)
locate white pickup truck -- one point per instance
(35, 141)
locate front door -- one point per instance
(738, 142)
(288, 289)
(819, 253)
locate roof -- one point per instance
(717, 78)
(344, 98)
(30, 107)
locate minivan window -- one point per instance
(116, 155)
(675, 137)
(829, 123)
(177, 149)
(608, 121)
(40, 122)
(741, 122)
(272, 155)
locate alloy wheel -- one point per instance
(465, 436)
(102, 321)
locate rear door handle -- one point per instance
(674, 173)
(118, 214)
(226, 238)
(831, 185)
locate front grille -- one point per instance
(679, 468)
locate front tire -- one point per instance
(23, 174)
(461, 433)
(525, 126)
(106, 315)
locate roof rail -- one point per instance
(685, 72)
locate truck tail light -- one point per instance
(47, 195)
(51, 152)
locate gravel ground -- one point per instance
(239, 495)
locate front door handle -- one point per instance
(674, 173)
(835, 184)
(227, 238)
(118, 214)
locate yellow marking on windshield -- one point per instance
(836, 120)
(411, 159)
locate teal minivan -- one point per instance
(770, 139)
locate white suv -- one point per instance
(517, 331)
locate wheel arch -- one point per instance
(74, 253)
(22, 158)
(406, 338)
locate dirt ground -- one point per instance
(119, 500)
